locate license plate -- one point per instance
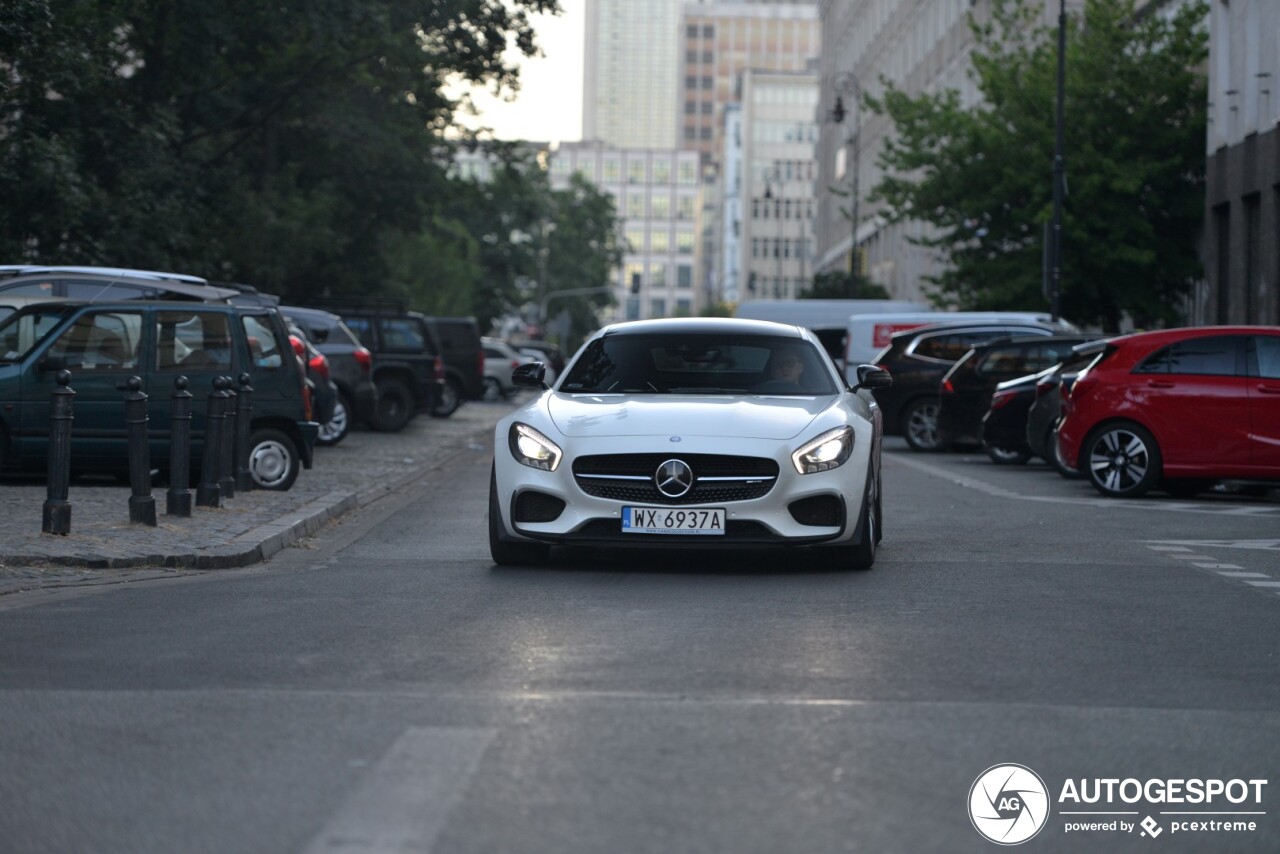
(668, 520)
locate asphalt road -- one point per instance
(387, 688)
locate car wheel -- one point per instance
(395, 406)
(450, 400)
(920, 425)
(862, 555)
(1060, 465)
(505, 553)
(273, 459)
(1005, 456)
(493, 390)
(336, 428)
(1122, 460)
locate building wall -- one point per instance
(657, 193)
(778, 175)
(1242, 219)
(922, 46)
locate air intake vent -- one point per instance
(538, 507)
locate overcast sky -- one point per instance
(549, 105)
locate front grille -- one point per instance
(602, 476)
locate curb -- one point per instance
(264, 541)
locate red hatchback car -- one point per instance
(1178, 409)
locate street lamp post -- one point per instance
(1059, 171)
(848, 83)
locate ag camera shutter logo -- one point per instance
(1008, 804)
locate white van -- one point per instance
(867, 335)
(826, 318)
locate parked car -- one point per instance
(919, 358)
(103, 344)
(1004, 424)
(100, 284)
(407, 367)
(500, 359)
(350, 365)
(1045, 413)
(324, 394)
(867, 335)
(964, 395)
(1177, 409)
(693, 433)
(457, 340)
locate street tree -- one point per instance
(1134, 134)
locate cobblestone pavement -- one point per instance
(103, 547)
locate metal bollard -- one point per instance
(57, 509)
(244, 422)
(142, 506)
(209, 492)
(178, 498)
(227, 473)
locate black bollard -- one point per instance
(227, 472)
(57, 509)
(209, 492)
(142, 506)
(244, 421)
(178, 498)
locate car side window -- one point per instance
(401, 334)
(1217, 355)
(948, 348)
(1267, 348)
(102, 290)
(1008, 361)
(264, 350)
(100, 341)
(192, 341)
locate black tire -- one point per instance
(1054, 455)
(862, 555)
(920, 425)
(1007, 457)
(506, 553)
(1121, 460)
(395, 406)
(274, 461)
(336, 428)
(450, 400)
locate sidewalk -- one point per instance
(249, 528)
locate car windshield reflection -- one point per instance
(659, 364)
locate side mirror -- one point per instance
(870, 376)
(530, 375)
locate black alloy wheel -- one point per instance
(450, 400)
(920, 425)
(395, 406)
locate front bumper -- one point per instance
(764, 521)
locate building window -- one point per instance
(684, 205)
(660, 207)
(658, 275)
(661, 172)
(635, 239)
(691, 31)
(708, 31)
(690, 108)
(612, 173)
(691, 83)
(690, 56)
(690, 133)
(708, 108)
(688, 173)
(657, 307)
(708, 82)
(659, 241)
(704, 133)
(684, 276)
(635, 206)
(635, 172)
(684, 242)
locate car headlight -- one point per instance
(533, 449)
(828, 451)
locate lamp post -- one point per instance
(1059, 172)
(847, 83)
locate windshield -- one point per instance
(699, 364)
(20, 333)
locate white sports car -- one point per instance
(692, 433)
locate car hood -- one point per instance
(584, 415)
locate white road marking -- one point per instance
(1264, 583)
(1182, 545)
(1191, 557)
(1244, 574)
(1217, 566)
(402, 803)
(1109, 503)
(1169, 548)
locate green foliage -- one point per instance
(1134, 154)
(836, 284)
(303, 152)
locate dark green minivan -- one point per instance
(103, 344)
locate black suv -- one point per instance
(964, 394)
(919, 358)
(457, 340)
(350, 368)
